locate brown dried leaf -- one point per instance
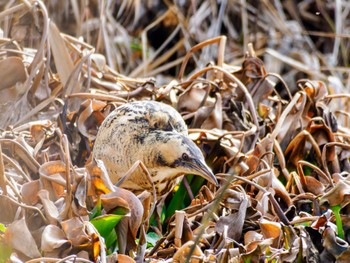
(11, 210)
(38, 131)
(12, 71)
(75, 231)
(100, 181)
(251, 240)
(99, 61)
(215, 119)
(19, 237)
(52, 176)
(63, 62)
(192, 98)
(201, 115)
(29, 192)
(22, 153)
(183, 252)
(338, 195)
(314, 186)
(289, 120)
(116, 199)
(333, 244)
(54, 238)
(50, 209)
(90, 118)
(80, 190)
(234, 222)
(120, 258)
(271, 229)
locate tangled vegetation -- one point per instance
(263, 87)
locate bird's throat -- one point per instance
(165, 180)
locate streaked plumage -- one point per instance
(155, 134)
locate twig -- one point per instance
(28, 207)
(2, 174)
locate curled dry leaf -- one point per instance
(117, 198)
(50, 209)
(10, 208)
(205, 112)
(19, 237)
(128, 226)
(52, 177)
(334, 245)
(338, 195)
(80, 188)
(63, 62)
(184, 252)
(215, 119)
(9, 80)
(314, 186)
(13, 74)
(251, 240)
(54, 239)
(271, 230)
(38, 131)
(90, 117)
(233, 223)
(76, 232)
(98, 176)
(244, 117)
(253, 76)
(261, 249)
(289, 121)
(119, 258)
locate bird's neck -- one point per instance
(165, 179)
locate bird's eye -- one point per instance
(185, 157)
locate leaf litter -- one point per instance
(270, 114)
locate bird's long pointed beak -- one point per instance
(204, 171)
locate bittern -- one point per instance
(155, 134)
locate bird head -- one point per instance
(179, 155)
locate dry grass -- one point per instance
(262, 85)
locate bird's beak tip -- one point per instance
(213, 179)
(207, 174)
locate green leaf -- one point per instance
(2, 228)
(120, 211)
(105, 224)
(5, 252)
(181, 198)
(111, 241)
(151, 239)
(97, 211)
(336, 211)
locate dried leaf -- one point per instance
(53, 238)
(183, 252)
(19, 237)
(338, 195)
(52, 176)
(10, 208)
(271, 229)
(50, 209)
(234, 221)
(63, 62)
(8, 67)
